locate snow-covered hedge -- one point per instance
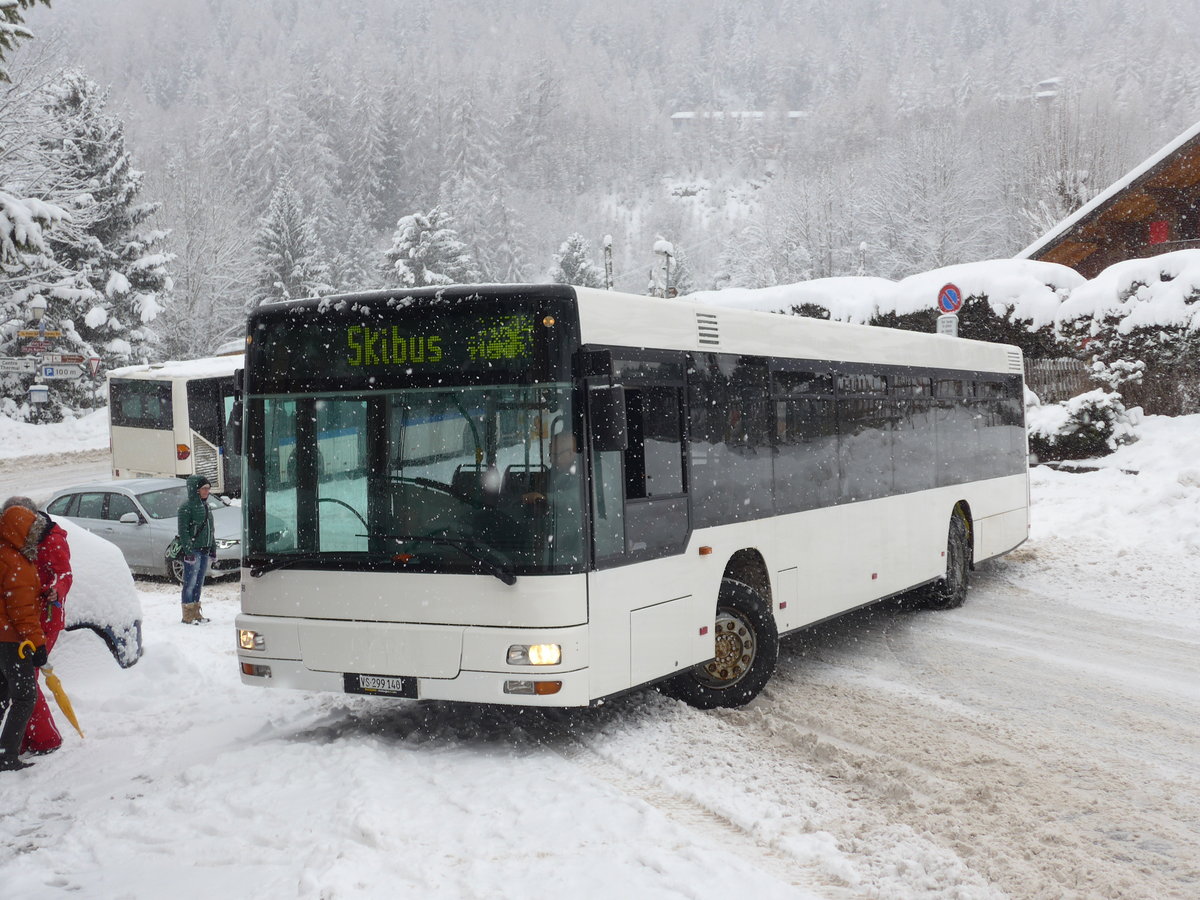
(1138, 322)
(1090, 425)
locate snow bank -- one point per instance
(1142, 293)
(1135, 523)
(25, 439)
(1033, 291)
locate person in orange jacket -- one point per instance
(22, 641)
(54, 573)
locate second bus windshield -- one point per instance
(436, 479)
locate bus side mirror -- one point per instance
(233, 428)
(606, 406)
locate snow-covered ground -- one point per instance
(1043, 741)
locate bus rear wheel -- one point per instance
(746, 644)
(950, 592)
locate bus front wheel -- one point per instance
(950, 592)
(746, 644)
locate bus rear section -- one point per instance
(169, 420)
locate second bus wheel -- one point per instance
(950, 592)
(746, 644)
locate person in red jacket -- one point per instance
(22, 642)
(54, 574)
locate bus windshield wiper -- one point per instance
(282, 562)
(468, 547)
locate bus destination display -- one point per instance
(495, 339)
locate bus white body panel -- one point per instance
(639, 622)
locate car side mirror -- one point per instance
(130, 519)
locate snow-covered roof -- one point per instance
(209, 367)
(1108, 194)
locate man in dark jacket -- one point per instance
(197, 537)
(22, 642)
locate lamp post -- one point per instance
(37, 311)
(666, 250)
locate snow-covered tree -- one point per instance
(110, 277)
(288, 258)
(12, 28)
(426, 251)
(573, 264)
(213, 263)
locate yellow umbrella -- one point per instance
(55, 684)
(60, 696)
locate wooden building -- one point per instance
(1153, 209)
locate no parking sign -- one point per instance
(950, 299)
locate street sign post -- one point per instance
(948, 325)
(60, 359)
(34, 333)
(25, 365)
(62, 373)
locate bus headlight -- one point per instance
(251, 640)
(226, 543)
(534, 655)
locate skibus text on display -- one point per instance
(169, 420)
(549, 495)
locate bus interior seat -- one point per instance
(521, 479)
(468, 482)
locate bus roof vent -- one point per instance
(1014, 361)
(709, 333)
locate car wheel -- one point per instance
(175, 570)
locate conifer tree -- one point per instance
(109, 279)
(12, 28)
(573, 264)
(287, 252)
(426, 251)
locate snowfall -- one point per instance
(1042, 741)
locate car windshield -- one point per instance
(435, 479)
(164, 503)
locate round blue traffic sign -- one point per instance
(950, 299)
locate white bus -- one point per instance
(562, 494)
(169, 420)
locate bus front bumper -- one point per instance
(425, 662)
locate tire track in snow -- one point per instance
(700, 819)
(1018, 759)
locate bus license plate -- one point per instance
(392, 686)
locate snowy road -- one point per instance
(1041, 742)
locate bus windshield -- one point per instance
(445, 479)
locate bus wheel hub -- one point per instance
(734, 650)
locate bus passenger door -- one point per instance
(644, 619)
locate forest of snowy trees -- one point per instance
(171, 163)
